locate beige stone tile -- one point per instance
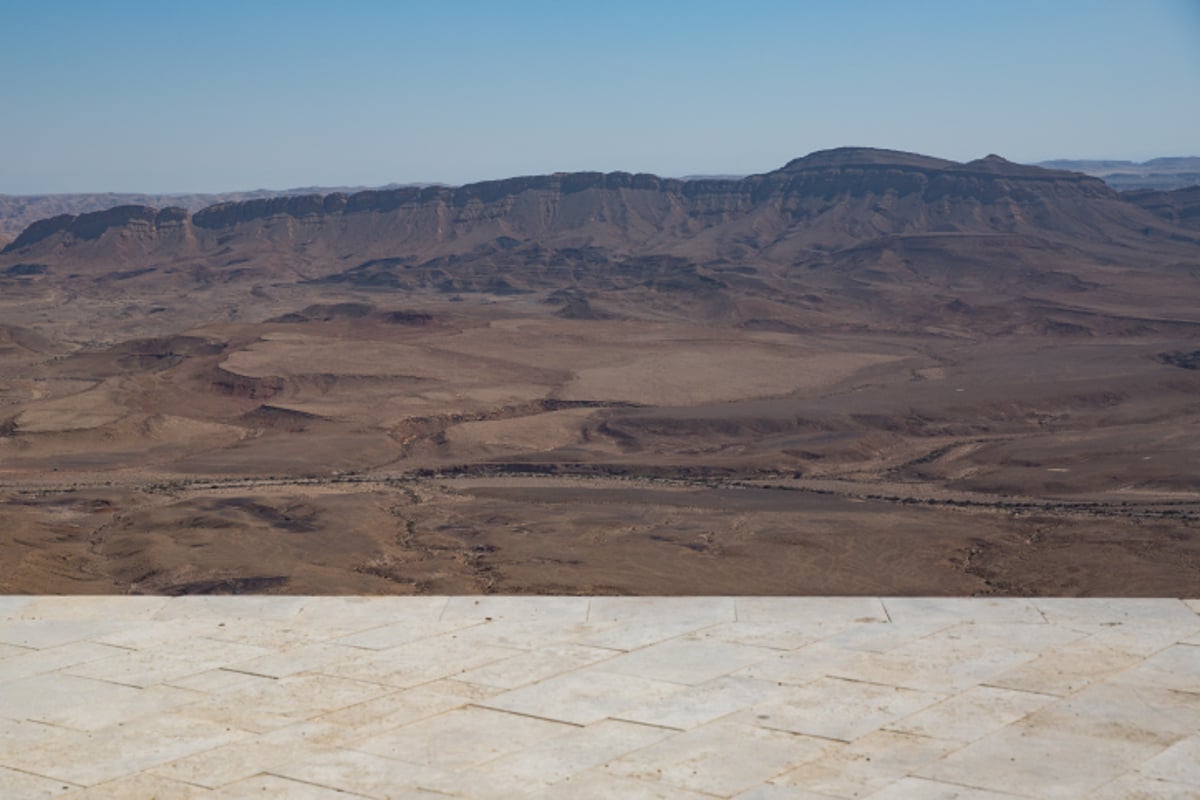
(230, 763)
(975, 713)
(516, 607)
(327, 618)
(550, 761)
(524, 634)
(234, 762)
(93, 757)
(40, 634)
(11, 606)
(16, 785)
(1040, 762)
(807, 664)
(313, 733)
(215, 681)
(433, 673)
(1123, 712)
(1145, 612)
(155, 634)
(271, 787)
(293, 660)
(395, 634)
(840, 611)
(84, 704)
(773, 792)
(1126, 713)
(265, 706)
(1018, 637)
(272, 634)
(1177, 667)
(697, 705)
(688, 660)
(138, 787)
(36, 662)
(866, 765)
(8, 651)
(962, 609)
(93, 607)
(1180, 763)
(1141, 641)
(181, 659)
(543, 663)
(1133, 786)
(950, 659)
(921, 789)
(881, 638)
(777, 635)
(226, 607)
(362, 773)
(1065, 670)
(637, 632)
(390, 711)
(20, 734)
(261, 632)
(418, 662)
(584, 696)
(692, 611)
(462, 738)
(936, 663)
(598, 785)
(723, 758)
(1193, 604)
(837, 709)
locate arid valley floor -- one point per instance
(868, 373)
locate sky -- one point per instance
(162, 96)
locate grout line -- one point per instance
(301, 781)
(483, 707)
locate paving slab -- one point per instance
(755, 698)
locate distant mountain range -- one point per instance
(861, 236)
(1158, 173)
(17, 212)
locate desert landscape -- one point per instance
(867, 372)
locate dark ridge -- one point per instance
(42, 229)
(94, 224)
(996, 165)
(24, 270)
(1180, 206)
(1181, 359)
(224, 215)
(277, 418)
(841, 172)
(864, 157)
(178, 345)
(414, 318)
(248, 585)
(325, 312)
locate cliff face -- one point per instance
(827, 200)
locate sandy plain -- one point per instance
(488, 444)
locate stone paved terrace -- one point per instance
(575, 697)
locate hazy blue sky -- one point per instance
(124, 95)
